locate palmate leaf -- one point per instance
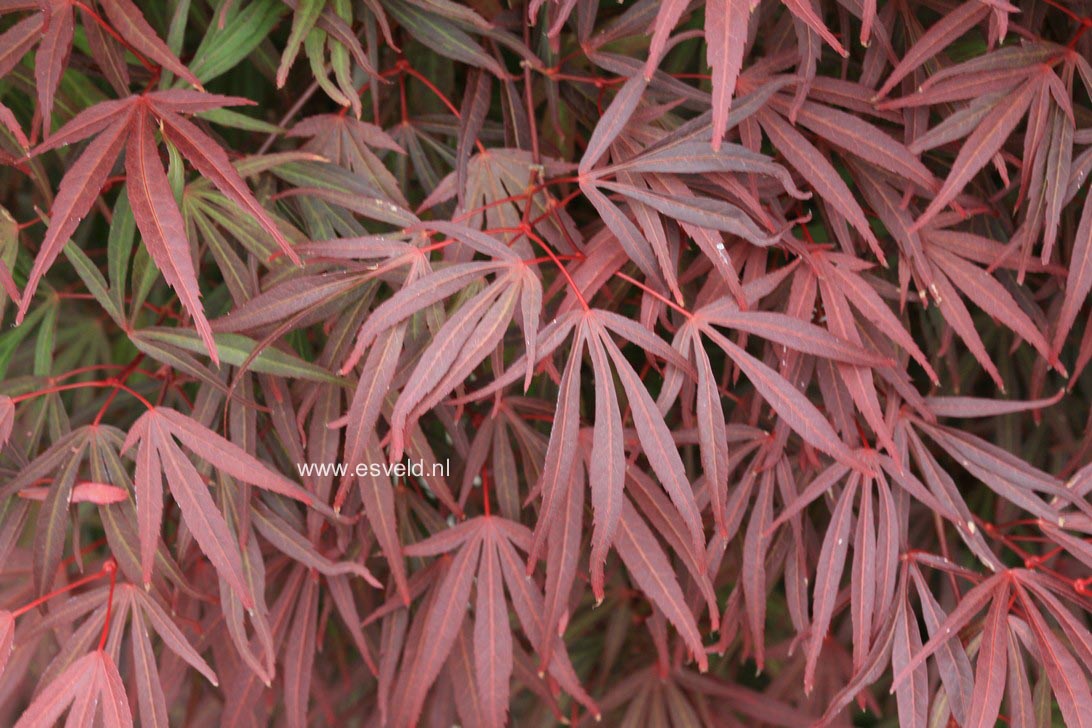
(355, 145)
(1070, 687)
(950, 27)
(60, 465)
(485, 546)
(160, 222)
(870, 306)
(1033, 88)
(726, 35)
(132, 121)
(668, 195)
(784, 398)
(88, 682)
(817, 170)
(147, 617)
(649, 568)
(466, 339)
(81, 185)
(607, 455)
(845, 454)
(160, 458)
(726, 38)
(991, 296)
(448, 26)
(53, 28)
(980, 146)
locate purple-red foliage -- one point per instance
(753, 335)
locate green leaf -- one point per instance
(119, 248)
(223, 49)
(307, 12)
(47, 339)
(243, 228)
(145, 273)
(176, 33)
(315, 44)
(176, 172)
(93, 280)
(10, 339)
(235, 349)
(236, 120)
(9, 249)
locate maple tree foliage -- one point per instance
(753, 337)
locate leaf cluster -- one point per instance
(750, 337)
